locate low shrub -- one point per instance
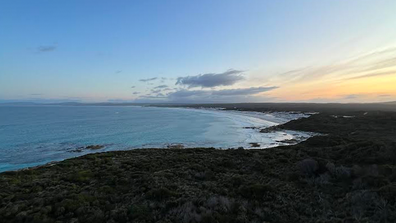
(331, 168)
(342, 173)
(82, 176)
(308, 167)
(139, 212)
(375, 181)
(256, 191)
(160, 194)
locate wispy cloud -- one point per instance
(385, 95)
(44, 49)
(187, 93)
(148, 79)
(371, 74)
(161, 86)
(159, 89)
(243, 91)
(210, 80)
(374, 74)
(157, 96)
(352, 96)
(379, 63)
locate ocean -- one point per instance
(35, 135)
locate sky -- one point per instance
(198, 51)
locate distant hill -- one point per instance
(303, 107)
(17, 103)
(390, 103)
(264, 107)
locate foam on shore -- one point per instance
(248, 125)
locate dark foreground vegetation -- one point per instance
(347, 175)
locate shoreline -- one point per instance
(347, 174)
(247, 126)
(258, 121)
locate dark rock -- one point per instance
(252, 127)
(175, 146)
(93, 147)
(254, 144)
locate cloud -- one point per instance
(384, 95)
(136, 92)
(209, 96)
(379, 63)
(133, 86)
(227, 78)
(116, 100)
(148, 79)
(187, 93)
(161, 87)
(243, 91)
(220, 93)
(149, 96)
(44, 49)
(156, 91)
(352, 96)
(375, 74)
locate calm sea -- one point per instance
(35, 135)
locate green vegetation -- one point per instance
(347, 175)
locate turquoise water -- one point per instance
(35, 135)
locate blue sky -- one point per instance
(283, 50)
